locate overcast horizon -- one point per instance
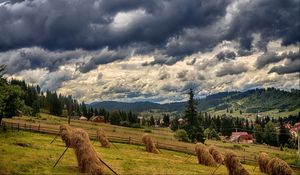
(145, 50)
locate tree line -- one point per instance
(198, 126)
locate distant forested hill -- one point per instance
(252, 101)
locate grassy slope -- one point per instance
(135, 155)
(40, 156)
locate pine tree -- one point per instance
(258, 133)
(270, 136)
(166, 120)
(284, 134)
(192, 127)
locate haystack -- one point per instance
(277, 166)
(87, 158)
(216, 154)
(66, 134)
(204, 157)
(263, 160)
(101, 136)
(150, 146)
(234, 166)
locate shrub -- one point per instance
(4, 127)
(125, 123)
(135, 125)
(147, 130)
(181, 135)
(237, 146)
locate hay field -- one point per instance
(30, 153)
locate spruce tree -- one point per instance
(284, 134)
(192, 126)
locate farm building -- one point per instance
(99, 119)
(83, 118)
(241, 137)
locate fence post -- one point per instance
(18, 127)
(39, 127)
(25, 126)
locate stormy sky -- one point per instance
(150, 50)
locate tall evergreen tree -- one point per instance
(166, 120)
(258, 133)
(270, 136)
(192, 126)
(284, 134)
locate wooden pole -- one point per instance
(115, 146)
(188, 157)
(107, 166)
(254, 168)
(216, 169)
(61, 157)
(53, 139)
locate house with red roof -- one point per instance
(243, 137)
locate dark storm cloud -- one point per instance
(169, 30)
(104, 57)
(87, 24)
(272, 57)
(290, 67)
(271, 19)
(231, 69)
(34, 58)
(226, 55)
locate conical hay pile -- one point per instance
(66, 134)
(150, 147)
(204, 157)
(87, 158)
(263, 160)
(101, 136)
(216, 154)
(234, 166)
(277, 166)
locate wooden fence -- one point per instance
(127, 140)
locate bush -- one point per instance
(181, 135)
(147, 130)
(4, 127)
(237, 146)
(135, 125)
(125, 123)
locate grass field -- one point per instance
(39, 156)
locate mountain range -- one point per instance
(250, 101)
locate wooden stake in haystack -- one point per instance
(203, 155)
(150, 146)
(234, 166)
(277, 166)
(263, 160)
(218, 157)
(101, 136)
(87, 157)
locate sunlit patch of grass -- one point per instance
(40, 156)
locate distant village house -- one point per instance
(241, 137)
